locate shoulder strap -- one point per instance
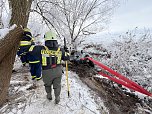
(46, 48)
(57, 51)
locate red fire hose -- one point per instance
(120, 78)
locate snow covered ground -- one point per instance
(82, 100)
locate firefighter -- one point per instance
(51, 65)
(25, 44)
(29, 54)
(34, 58)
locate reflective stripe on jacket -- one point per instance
(25, 43)
(33, 54)
(48, 54)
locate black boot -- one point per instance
(57, 100)
(49, 96)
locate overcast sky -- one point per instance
(131, 14)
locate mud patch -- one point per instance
(115, 97)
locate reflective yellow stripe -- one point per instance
(67, 54)
(39, 78)
(29, 36)
(46, 48)
(31, 48)
(47, 53)
(57, 51)
(50, 52)
(24, 63)
(34, 61)
(59, 56)
(32, 39)
(33, 76)
(26, 30)
(44, 63)
(25, 43)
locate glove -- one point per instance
(66, 49)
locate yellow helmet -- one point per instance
(26, 30)
(50, 36)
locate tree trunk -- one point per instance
(9, 45)
(20, 12)
(6, 63)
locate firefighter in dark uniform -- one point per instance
(29, 54)
(25, 43)
(51, 65)
(34, 58)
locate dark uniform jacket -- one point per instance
(49, 55)
(54, 55)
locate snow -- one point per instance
(82, 99)
(5, 31)
(6, 13)
(106, 38)
(140, 95)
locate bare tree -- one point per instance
(9, 44)
(132, 54)
(75, 19)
